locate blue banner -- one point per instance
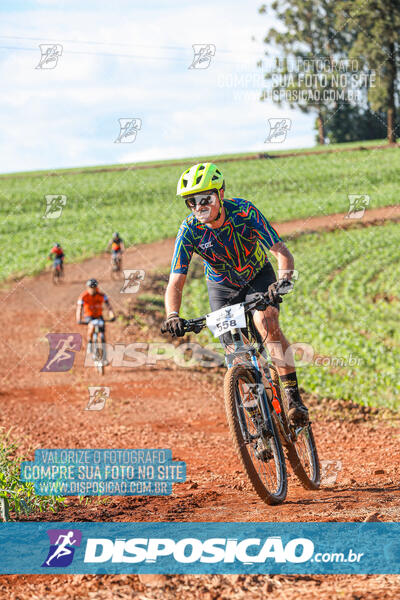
(173, 548)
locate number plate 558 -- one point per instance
(225, 319)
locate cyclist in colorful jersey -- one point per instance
(116, 244)
(57, 256)
(233, 237)
(90, 307)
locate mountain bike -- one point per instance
(256, 406)
(116, 265)
(98, 340)
(58, 271)
(97, 343)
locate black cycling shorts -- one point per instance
(87, 320)
(221, 295)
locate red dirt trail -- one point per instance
(166, 406)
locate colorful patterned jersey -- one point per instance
(235, 252)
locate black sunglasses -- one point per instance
(191, 202)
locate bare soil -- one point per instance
(166, 406)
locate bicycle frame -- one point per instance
(57, 265)
(97, 332)
(116, 260)
(248, 352)
(98, 341)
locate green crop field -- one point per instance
(345, 307)
(143, 207)
(214, 157)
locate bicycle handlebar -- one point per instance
(94, 319)
(196, 325)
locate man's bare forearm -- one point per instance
(173, 300)
(285, 266)
(285, 260)
(110, 310)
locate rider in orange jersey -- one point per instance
(57, 256)
(90, 308)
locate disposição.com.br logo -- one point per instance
(169, 552)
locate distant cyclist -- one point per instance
(232, 237)
(90, 308)
(57, 256)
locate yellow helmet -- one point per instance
(200, 178)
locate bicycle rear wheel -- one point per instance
(301, 450)
(260, 454)
(303, 457)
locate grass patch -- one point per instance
(150, 302)
(215, 157)
(20, 496)
(142, 205)
(345, 306)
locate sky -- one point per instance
(130, 60)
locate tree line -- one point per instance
(340, 60)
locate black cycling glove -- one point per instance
(272, 294)
(174, 325)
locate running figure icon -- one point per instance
(63, 347)
(63, 544)
(62, 549)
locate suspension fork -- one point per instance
(263, 400)
(238, 350)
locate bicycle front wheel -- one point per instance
(258, 447)
(98, 354)
(56, 276)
